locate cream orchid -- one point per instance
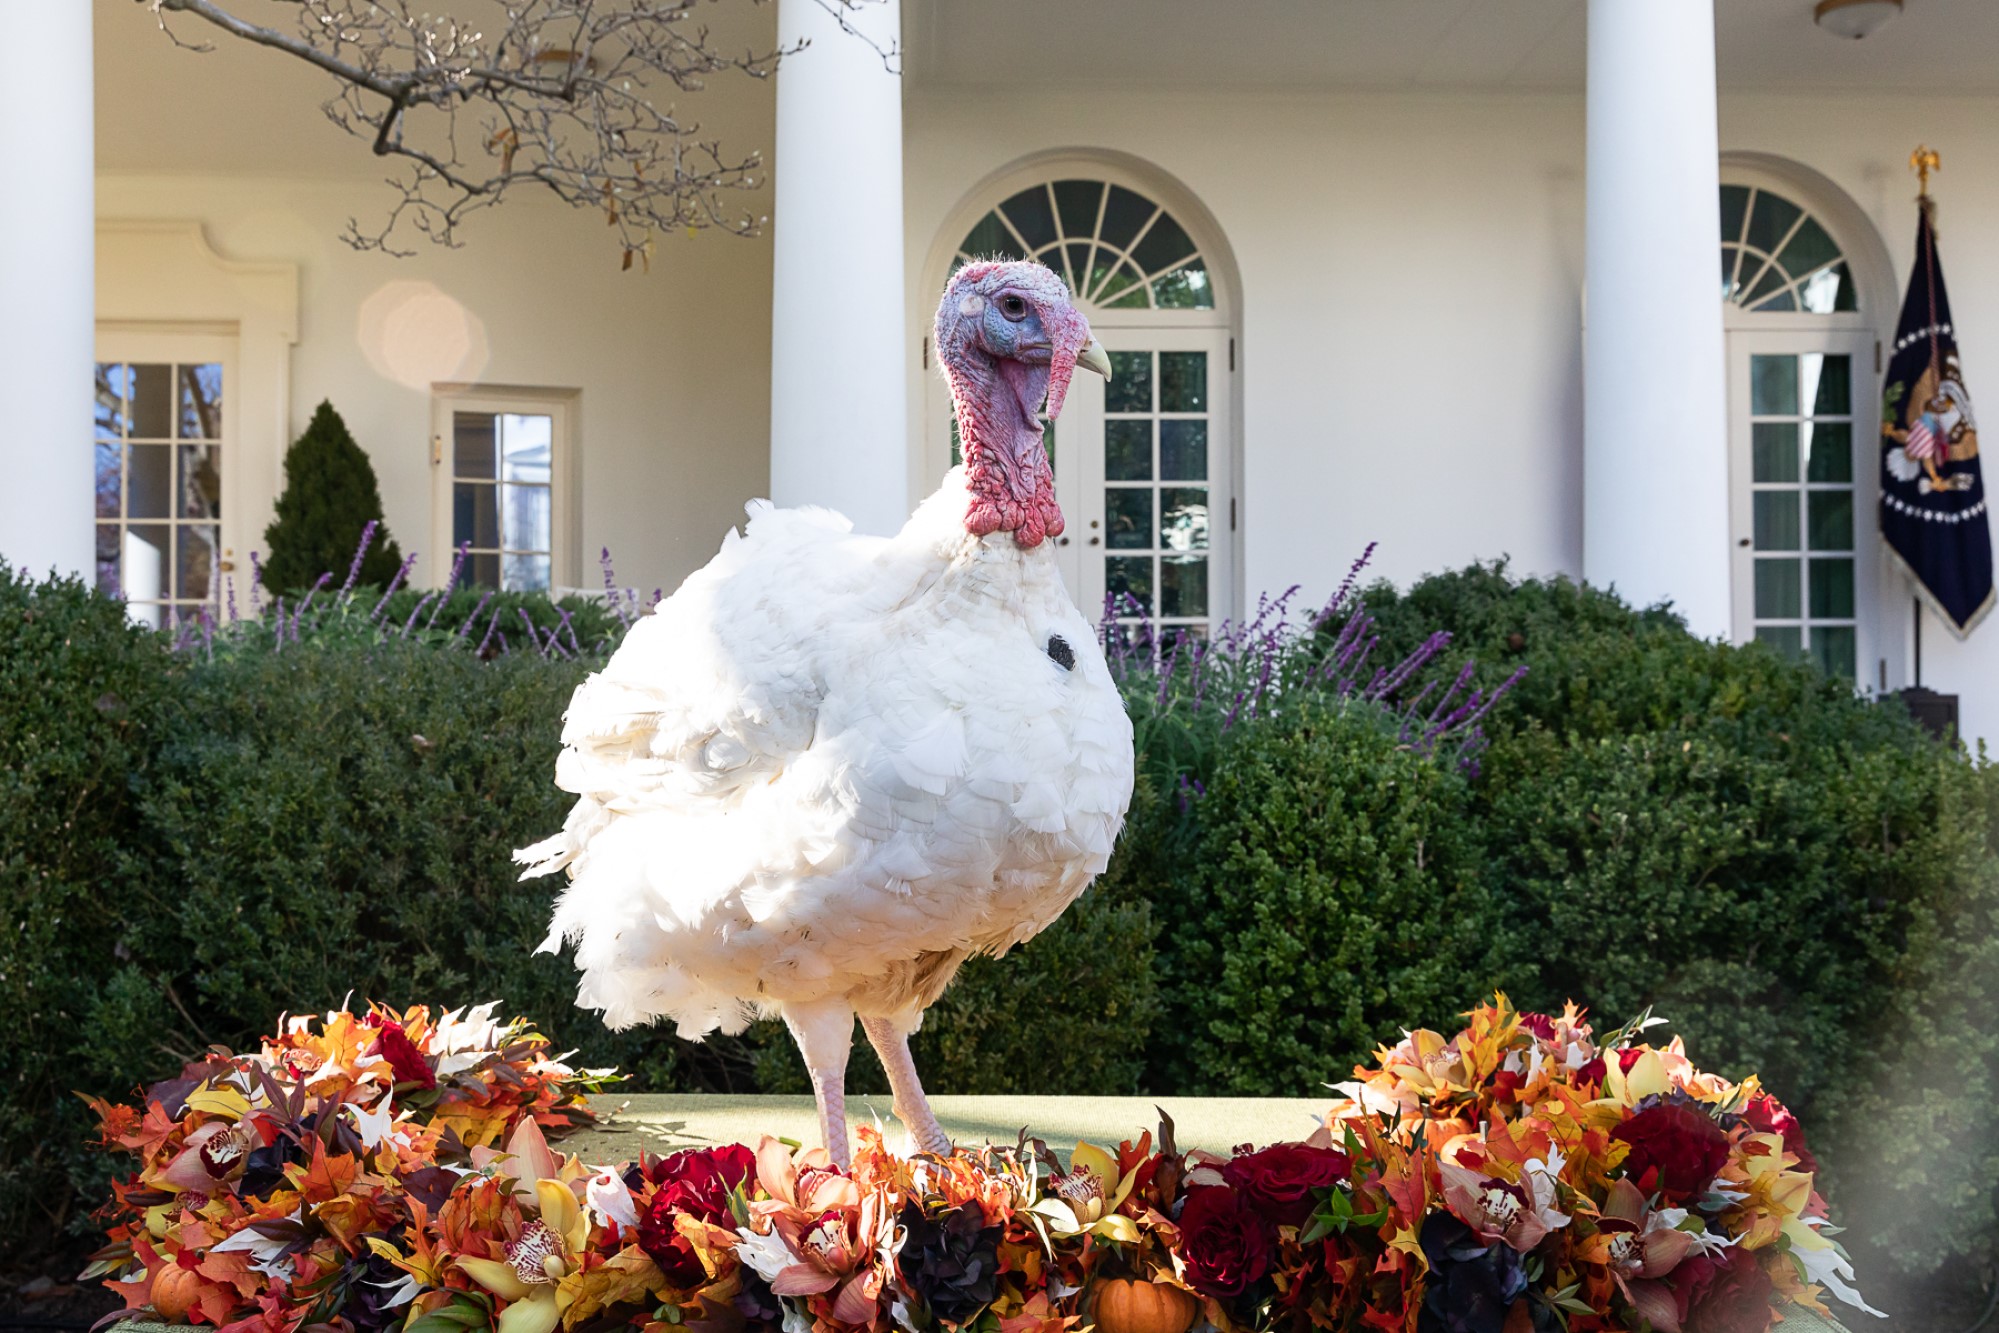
(548, 1249)
(1087, 1198)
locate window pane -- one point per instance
(1128, 518)
(1773, 385)
(1776, 520)
(195, 576)
(1833, 649)
(1183, 450)
(1183, 585)
(525, 449)
(110, 459)
(473, 440)
(200, 480)
(201, 402)
(1183, 381)
(1130, 290)
(1809, 248)
(524, 518)
(1184, 289)
(1130, 389)
(144, 551)
(1734, 205)
(1077, 202)
(1128, 449)
(1834, 378)
(1771, 217)
(1781, 300)
(526, 573)
(475, 515)
(112, 381)
(1786, 639)
(152, 402)
(1773, 281)
(1832, 589)
(1774, 446)
(1829, 517)
(1777, 591)
(1183, 518)
(1124, 214)
(149, 480)
(1129, 575)
(1830, 452)
(1031, 216)
(483, 571)
(990, 239)
(1730, 257)
(1164, 246)
(107, 560)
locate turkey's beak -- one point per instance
(1093, 357)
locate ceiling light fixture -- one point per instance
(1854, 18)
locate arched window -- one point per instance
(1144, 466)
(1775, 256)
(1800, 389)
(1115, 248)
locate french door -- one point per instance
(1802, 494)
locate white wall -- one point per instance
(673, 365)
(1410, 361)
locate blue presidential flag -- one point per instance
(1932, 491)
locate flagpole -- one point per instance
(1916, 605)
(1923, 161)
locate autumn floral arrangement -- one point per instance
(1523, 1176)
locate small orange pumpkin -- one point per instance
(1127, 1306)
(175, 1290)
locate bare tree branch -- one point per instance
(557, 95)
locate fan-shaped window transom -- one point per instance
(1775, 256)
(1117, 249)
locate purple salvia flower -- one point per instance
(1166, 676)
(534, 635)
(492, 626)
(1341, 593)
(229, 595)
(306, 601)
(278, 644)
(611, 587)
(394, 583)
(505, 648)
(450, 584)
(466, 628)
(256, 582)
(417, 610)
(360, 552)
(569, 625)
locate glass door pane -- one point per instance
(158, 441)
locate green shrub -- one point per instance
(84, 697)
(330, 495)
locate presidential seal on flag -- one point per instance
(1933, 511)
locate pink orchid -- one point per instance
(1640, 1247)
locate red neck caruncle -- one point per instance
(999, 432)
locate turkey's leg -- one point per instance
(891, 1041)
(825, 1033)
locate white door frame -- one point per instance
(565, 474)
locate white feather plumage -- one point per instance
(829, 762)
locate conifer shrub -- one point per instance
(330, 495)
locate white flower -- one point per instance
(401, 1292)
(264, 1252)
(462, 1038)
(609, 1200)
(1540, 1178)
(1824, 1264)
(765, 1253)
(374, 1126)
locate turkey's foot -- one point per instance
(825, 1033)
(890, 1038)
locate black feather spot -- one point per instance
(1060, 653)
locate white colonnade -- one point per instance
(47, 322)
(1655, 427)
(839, 407)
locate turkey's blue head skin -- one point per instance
(1008, 336)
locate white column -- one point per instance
(47, 319)
(839, 355)
(1655, 423)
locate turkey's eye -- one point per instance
(1013, 307)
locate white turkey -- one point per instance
(831, 768)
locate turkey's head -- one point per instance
(1009, 338)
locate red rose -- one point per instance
(1675, 1149)
(1591, 1071)
(1225, 1244)
(1283, 1179)
(1729, 1293)
(697, 1182)
(1541, 1025)
(409, 1064)
(1628, 1056)
(1767, 1115)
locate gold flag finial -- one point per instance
(1923, 161)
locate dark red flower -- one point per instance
(1767, 1115)
(1726, 1293)
(1541, 1025)
(1628, 1056)
(697, 1182)
(407, 1062)
(1675, 1150)
(1225, 1244)
(1284, 1179)
(1592, 1071)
